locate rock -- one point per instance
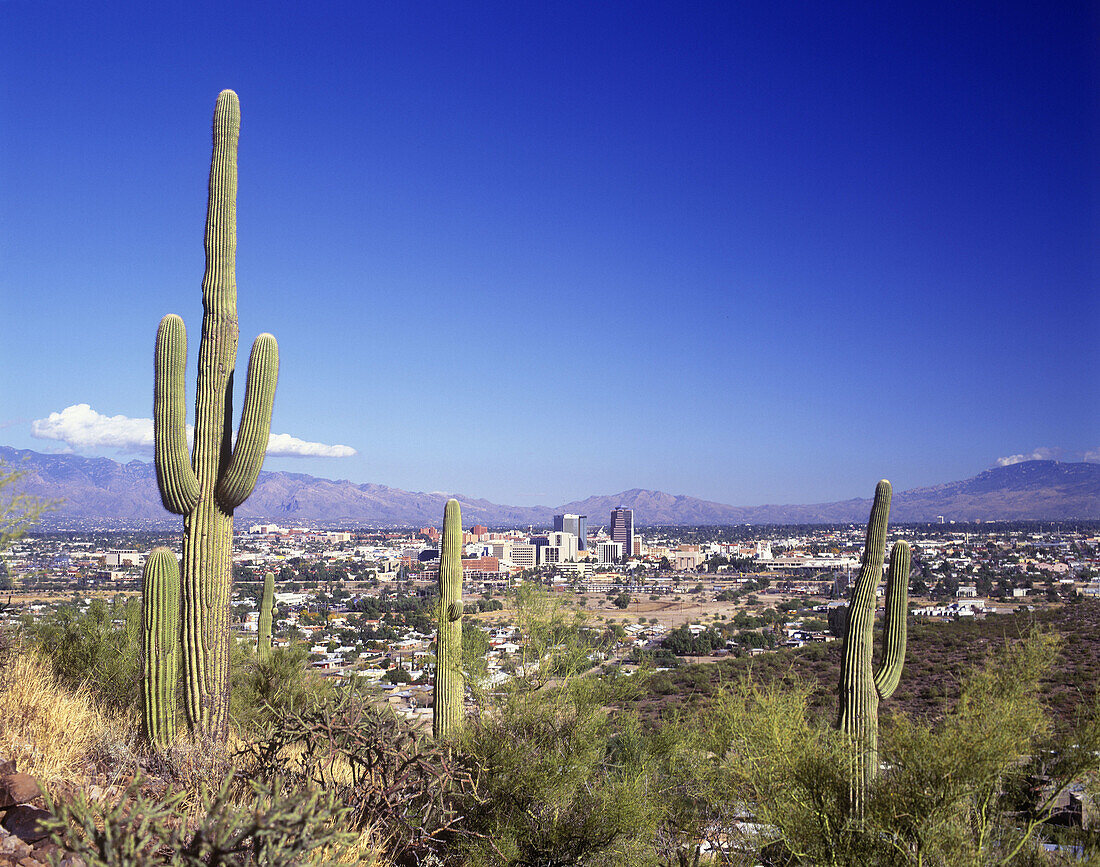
(26, 823)
(18, 789)
(12, 847)
(43, 849)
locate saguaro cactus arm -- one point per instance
(179, 488)
(239, 478)
(448, 710)
(219, 283)
(894, 626)
(160, 627)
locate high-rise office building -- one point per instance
(622, 529)
(575, 524)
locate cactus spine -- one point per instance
(219, 476)
(263, 644)
(160, 645)
(448, 698)
(860, 688)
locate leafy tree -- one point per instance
(681, 641)
(475, 647)
(18, 512)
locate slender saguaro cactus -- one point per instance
(447, 706)
(860, 688)
(160, 645)
(263, 643)
(219, 475)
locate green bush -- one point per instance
(262, 688)
(99, 647)
(559, 781)
(959, 791)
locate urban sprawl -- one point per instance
(359, 600)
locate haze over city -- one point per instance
(538, 253)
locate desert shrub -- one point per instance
(661, 684)
(393, 779)
(264, 688)
(98, 648)
(557, 778)
(236, 823)
(958, 791)
(559, 781)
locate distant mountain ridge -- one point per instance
(100, 488)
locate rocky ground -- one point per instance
(23, 839)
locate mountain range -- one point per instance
(100, 489)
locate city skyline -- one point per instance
(786, 254)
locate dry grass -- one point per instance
(48, 730)
(62, 738)
(365, 850)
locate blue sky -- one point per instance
(532, 252)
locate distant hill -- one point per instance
(100, 488)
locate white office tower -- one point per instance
(609, 552)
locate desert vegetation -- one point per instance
(558, 767)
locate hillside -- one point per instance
(936, 658)
(100, 488)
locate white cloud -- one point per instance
(82, 428)
(1042, 453)
(285, 446)
(1092, 456)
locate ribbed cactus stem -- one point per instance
(448, 708)
(894, 626)
(861, 688)
(263, 644)
(160, 633)
(219, 476)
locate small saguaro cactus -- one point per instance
(263, 642)
(160, 645)
(218, 476)
(448, 699)
(860, 687)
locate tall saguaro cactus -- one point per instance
(861, 688)
(219, 475)
(447, 706)
(160, 645)
(267, 603)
